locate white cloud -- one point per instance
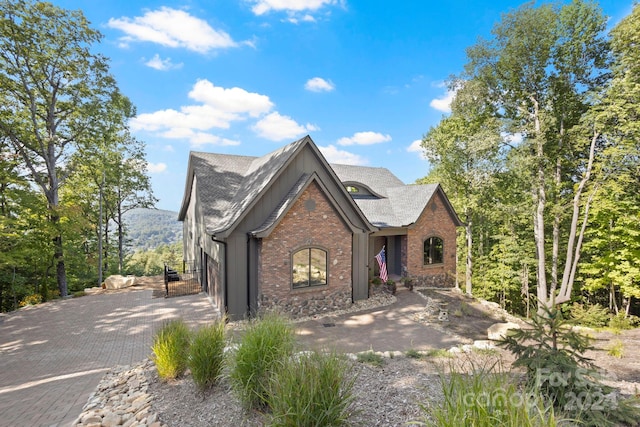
(172, 28)
(276, 127)
(416, 147)
(364, 138)
(263, 6)
(444, 103)
(335, 155)
(156, 167)
(512, 138)
(233, 100)
(162, 64)
(220, 107)
(318, 84)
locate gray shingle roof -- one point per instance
(377, 179)
(227, 185)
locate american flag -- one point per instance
(382, 262)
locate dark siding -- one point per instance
(237, 295)
(359, 266)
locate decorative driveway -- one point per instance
(52, 356)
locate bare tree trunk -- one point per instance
(469, 269)
(540, 198)
(120, 239)
(573, 247)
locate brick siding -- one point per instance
(301, 227)
(434, 221)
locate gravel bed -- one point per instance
(389, 395)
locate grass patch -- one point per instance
(312, 389)
(171, 349)
(371, 358)
(486, 397)
(616, 349)
(266, 344)
(439, 352)
(414, 354)
(206, 354)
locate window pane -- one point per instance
(427, 252)
(301, 268)
(437, 249)
(318, 267)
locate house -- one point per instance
(289, 230)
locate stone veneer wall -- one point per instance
(434, 221)
(311, 222)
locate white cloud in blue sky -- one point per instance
(276, 127)
(156, 167)
(264, 6)
(318, 84)
(172, 28)
(444, 102)
(335, 155)
(162, 64)
(364, 138)
(416, 147)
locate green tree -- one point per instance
(52, 91)
(464, 151)
(612, 243)
(542, 68)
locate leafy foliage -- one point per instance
(553, 354)
(594, 316)
(148, 229)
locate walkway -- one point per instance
(52, 356)
(388, 328)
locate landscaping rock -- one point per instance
(498, 331)
(117, 281)
(121, 399)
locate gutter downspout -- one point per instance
(226, 264)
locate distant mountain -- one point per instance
(149, 228)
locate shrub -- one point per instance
(621, 322)
(552, 353)
(171, 349)
(267, 342)
(593, 316)
(78, 294)
(616, 349)
(371, 358)
(376, 281)
(486, 397)
(206, 354)
(33, 299)
(312, 389)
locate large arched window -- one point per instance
(309, 268)
(433, 251)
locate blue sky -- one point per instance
(364, 78)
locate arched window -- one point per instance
(433, 251)
(309, 268)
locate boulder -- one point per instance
(117, 281)
(498, 331)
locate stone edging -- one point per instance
(121, 399)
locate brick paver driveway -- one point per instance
(52, 356)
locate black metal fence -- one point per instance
(181, 281)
